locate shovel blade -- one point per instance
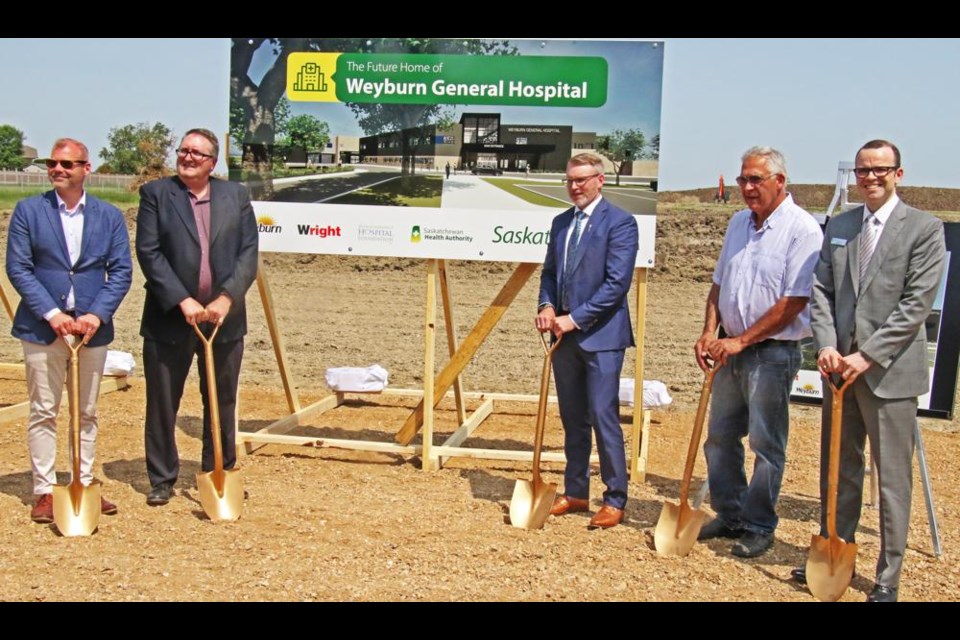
(830, 567)
(224, 503)
(677, 529)
(530, 504)
(76, 509)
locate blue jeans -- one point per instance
(751, 396)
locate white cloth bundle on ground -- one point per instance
(357, 379)
(118, 363)
(654, 393)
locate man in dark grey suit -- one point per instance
(875, 282)
(197, 246)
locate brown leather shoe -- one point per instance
(42, 512)
(565, 504)
(607, 517)
(107, 508)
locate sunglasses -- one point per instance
(66, 164)
(754, 181)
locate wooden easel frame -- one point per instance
(436, 386)
(16, 371)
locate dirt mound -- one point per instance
(816, 197)
(688, 245)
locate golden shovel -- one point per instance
(221, 492)
(679, 525)
(76, 508)
(831, 562)
(531, 501)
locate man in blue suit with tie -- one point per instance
(583, 297)
(68, 256)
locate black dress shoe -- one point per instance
(752, 544)
(160, 494)
(717, 529)
(799, 574)
(881, 593)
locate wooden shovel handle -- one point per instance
(833, 468)
(542, 404)
(74, 344)
(214, 400)
(697, 431)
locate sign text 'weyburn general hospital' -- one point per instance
(542, 81)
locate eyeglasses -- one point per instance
(580, 181)
(193, 153)
(66, 164)
(754, 181)
(880, 172)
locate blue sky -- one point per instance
(816, 100)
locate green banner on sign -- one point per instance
(454, 79)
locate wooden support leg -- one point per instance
(279, 350)
(639, 445)
(451, 338)
(430, 335)
(467, 349)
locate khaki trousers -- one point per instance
(47, 369)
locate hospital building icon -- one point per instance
(310, 78)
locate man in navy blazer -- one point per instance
(583, 298)
(68, 256)
(197, 246)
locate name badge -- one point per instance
(840, 242)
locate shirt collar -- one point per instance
(81, 204)
(883, 213)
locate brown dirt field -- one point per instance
(337, 525)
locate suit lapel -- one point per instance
(181, 204)
(889, 237)
(218, 210)
(560, 243)
(56, 226)
(853, 248)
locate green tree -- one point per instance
(11, 148)
(139, 149)
(622, 146)
(655, 147)
(238, 126)
(305, 132)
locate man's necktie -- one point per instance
(868, 242)
(572, 247)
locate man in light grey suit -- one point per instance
(875, 282)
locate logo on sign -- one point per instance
(328, 231)
(266, 224)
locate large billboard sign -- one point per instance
(440, 148)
